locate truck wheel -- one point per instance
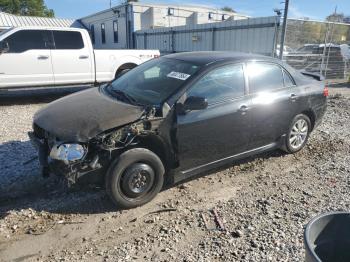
(298, 134)
(135, 178)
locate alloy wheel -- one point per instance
(298, 134)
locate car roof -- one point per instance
(209, 57)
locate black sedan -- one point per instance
(177, 116)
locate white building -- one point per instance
(114, 27)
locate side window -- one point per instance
(25, 40)
(264, 77)
(103, 33)
(288, 81)
(68, 40)
(222, 83)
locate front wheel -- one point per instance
(298, 134)
(135, 178)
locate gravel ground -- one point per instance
(263, 202)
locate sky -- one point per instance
(314, 9)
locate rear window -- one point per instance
(68, 40)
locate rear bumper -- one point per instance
(320, 112)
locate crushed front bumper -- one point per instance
(72, 172)
(43, 152)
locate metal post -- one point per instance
(284, 27)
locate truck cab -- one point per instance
(38, 56)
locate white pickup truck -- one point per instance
(39, 56)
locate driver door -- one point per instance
(28, 61)
(223, 128)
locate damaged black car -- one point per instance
(176, 116)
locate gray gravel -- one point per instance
(264, 203)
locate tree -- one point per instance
(26, 7)
(228, 9)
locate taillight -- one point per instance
(325, 91)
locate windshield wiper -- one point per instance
(123, 96)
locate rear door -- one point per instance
(221, 130)
(274, 102)
(71, 58)
(28, 62)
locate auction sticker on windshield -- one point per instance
(178, 75)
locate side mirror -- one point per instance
(195, 103)
(4, 47)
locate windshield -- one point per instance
(153, 82)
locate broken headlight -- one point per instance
(67, 152)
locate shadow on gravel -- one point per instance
(22, 97)
(22, 187)
(243, 165)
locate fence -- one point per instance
(255, 35)
(320, 47)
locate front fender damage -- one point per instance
(106, 146)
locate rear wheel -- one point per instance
(135, 178)
(298, 134)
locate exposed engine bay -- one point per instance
(74, 161)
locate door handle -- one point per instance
(293, 97)
(243, 109)
(43, 57)
(83, 57)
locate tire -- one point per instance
(134, 178)
(298, 134)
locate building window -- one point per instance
(211, 16)
(92, 34)
(103, 33)
(171, 11)
(115, 31)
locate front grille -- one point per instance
(38, 131)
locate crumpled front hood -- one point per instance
(83, 115)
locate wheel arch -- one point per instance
(155, 144)
(122, 67)
(311, 115)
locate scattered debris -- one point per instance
(219, 220)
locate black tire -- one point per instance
(288, 145)
(123, 172)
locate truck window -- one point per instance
(68, 40)
(25, 40)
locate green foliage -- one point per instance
(228, 9)
(26, 7)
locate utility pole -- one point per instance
(284, 27)
(110, 3)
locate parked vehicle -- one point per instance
(286, 50)
(310, 57)
(33, 56)
(177, 116)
